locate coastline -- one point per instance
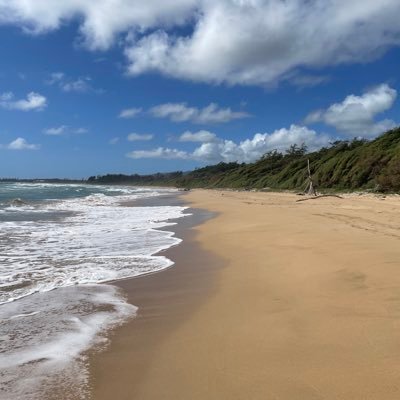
(305, 307)
(165, 299)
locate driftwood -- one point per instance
(310, 187)
(319, 196)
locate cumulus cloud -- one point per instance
(133, 137)
(22, 144)
(181, 112)
(33, 102)
(160, 152)
(260, 42)
(56, 131)
(254, 42)
(248, 150)
(200, 136)
(355, 115)
(130, 112)
(100, 21)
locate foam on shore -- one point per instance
(42, 350)
(54, 253)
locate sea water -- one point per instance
(59, 246)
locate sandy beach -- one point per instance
(270, 299)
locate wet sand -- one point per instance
(271, 299)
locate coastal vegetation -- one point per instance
(344, 165)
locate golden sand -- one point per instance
(306, 306)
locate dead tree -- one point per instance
(310, 188)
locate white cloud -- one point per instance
(259, 42)
(160, 152)
(232, 41)
(64, 130)
(355, 115)
(114, 140)
(200, 136)
(22, 144)
(101, 20)
(248, 150)
(129, 112)
(180, 112)
(133, 137)
(33, 102)
(56, 131)
(67, 84)
(80, 85)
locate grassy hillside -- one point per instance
(345, 165)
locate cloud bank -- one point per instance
(262, 42)
(100, 21)
(354, 116)
(248, 42)
(214, 149)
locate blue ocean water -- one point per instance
(36, 192)
(59, 245)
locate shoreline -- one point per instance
(168, 297)
(306, 305)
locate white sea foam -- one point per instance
(52, 307)
(40, 351)
(100, 241)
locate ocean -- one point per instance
(60, 245)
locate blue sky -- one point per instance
(89, 88)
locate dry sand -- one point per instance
(305, 306)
